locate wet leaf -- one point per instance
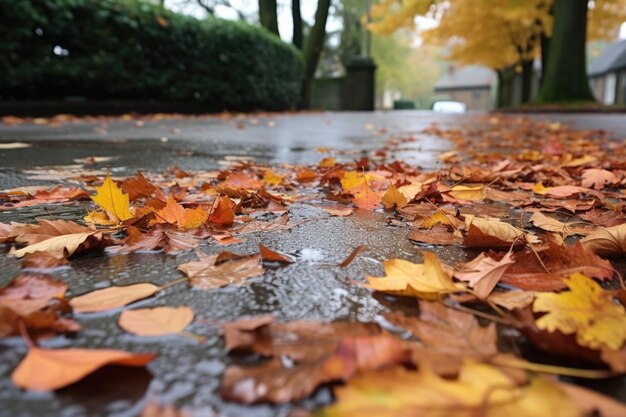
(111, 198)
(470, 193)
(587, 310)
(393, 198)
(157, 321)
(438, 235)
(112, 297)
(269, 255)
(183, 218)
(483, 273)
(426, 280)
(48, 370)
(209, 273)
(480, 389)
(597, 178)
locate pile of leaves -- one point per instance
(541, 205)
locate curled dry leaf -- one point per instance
(211, 272)
(586, 310)
(157, 321)
(36, 300)
(112, 297)
(48, 370)
(483, 273)
(607, 241)
(493, 233)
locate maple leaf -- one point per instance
(139, 187)
(427, 280)
(597, 178)
(480, 389)
(223, 211)
(607, 241)
(365, 197)
(111, 198)
(48, 370)
(446, 337)
(157, 321)
(272, 178)
(393, 198)
(483, 273)
(587, 310)
(214, 272)
(112, 297)
(184, 218)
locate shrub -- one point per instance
(116, 49)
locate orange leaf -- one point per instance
(184, 218)
(112, 297)
(269, 255)
(47, 370)
(156, 321)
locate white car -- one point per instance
(449, 107)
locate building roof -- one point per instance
(613, 58)
(471, 76)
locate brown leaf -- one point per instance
(112, 297)
(36, 300)
(483, 273)
(597, 178)
(48, 370)
(353, 254)
(269, 255)
(447, 336)
(209, 273)
(529, 273)
(438, 235)
(139, 187)
(607, 241)
(161, 237)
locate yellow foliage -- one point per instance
(587, 310)
(111, 198)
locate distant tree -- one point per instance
(298, 27)
(313, 46)
(268, 15)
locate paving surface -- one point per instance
(187, 373)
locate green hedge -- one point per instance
(130, 49)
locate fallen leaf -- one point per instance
(157, 321)
(463, 192)
(480, 389)
(512, 300)
(153, 409)
(111, 198)
(393, 198)
(209, 273)
(112, 297)
(607, 241)
(48, 370)
(493, 233)
(447, 337)
(223, 211)
(438, 235)
(365, 197)
(183, 218)
(587, 310)
(427, 280)
(353, 254)
(483, 273)
(269, 255)
(597, 178)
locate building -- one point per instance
(470, 85)
(607, 75)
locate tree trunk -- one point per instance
(527, 80)
(268, 15)
(566, 72)
(297, 24)
(506, 78)
(545, 51)
(313, 48)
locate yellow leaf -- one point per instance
(157, 321)
(272, 178)
(587, 310)
(328, 162)
(393, 198)
(437, 218)
(427, 280)
(352, 180)
(463, 192)
(99, 218)
(111, 198)
(480, 389)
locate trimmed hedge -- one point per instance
(130, 49)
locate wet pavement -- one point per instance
(187, 373)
